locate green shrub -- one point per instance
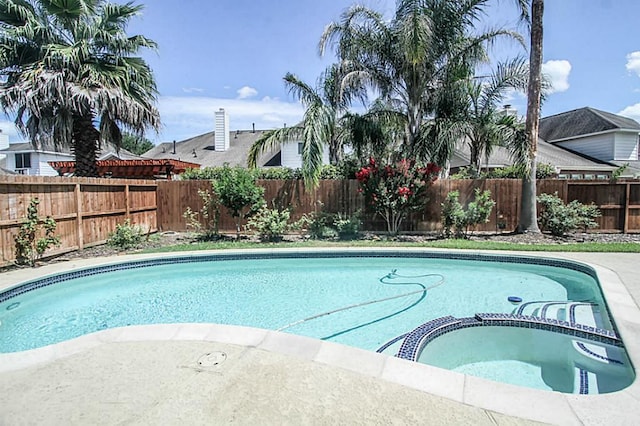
(318, 225)
(453, 215)
(457, 221)
(209, 214)
(126, 236)
(558, 218)
(236, 189)
(29, 248)
(270, 224)
(543, 171)
(347, 227)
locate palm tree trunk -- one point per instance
(85, 146)
(528, 213)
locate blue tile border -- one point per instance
(598, 356)
(421, 336)
(54, 279)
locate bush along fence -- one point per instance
(86, 211)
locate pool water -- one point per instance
(533, 358)
(276, 292)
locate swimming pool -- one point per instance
(279, 291)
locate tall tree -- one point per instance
(135, 144)
(320, 126)
(71, 75)
(411, 59)
(528, 209)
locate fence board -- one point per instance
(85, 209)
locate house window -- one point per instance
(300, 147)
(23, 160)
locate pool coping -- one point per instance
(532, 404)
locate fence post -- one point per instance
(79, 227)
(627, 202)
(127, 206)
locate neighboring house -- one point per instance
(597, 135)
(22, 158)
(223, 146)
(568, 165)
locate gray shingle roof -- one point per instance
(583, 121)
(202, 146)
(547, 153)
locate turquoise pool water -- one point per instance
(533, 358)
(272, 293)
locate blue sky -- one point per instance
(233, 54)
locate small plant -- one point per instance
(617, 173)
(126, 236)
(270, 224)
(347, 227)
(209, 214)
(453, 215)
(319, 225)
(457, 221)
(558, 218)
(29, 248)
(237, 190)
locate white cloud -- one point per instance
(632, 111)
(633, 62)
(246, 92)
(187, 116)
(558, 74)
(10, 129)
(192, 90)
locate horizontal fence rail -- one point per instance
(87, 210)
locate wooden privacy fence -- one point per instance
(85, 209)
(619, 202)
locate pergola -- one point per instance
(130, 169)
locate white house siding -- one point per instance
(626, 148)
(597, 146)
(39, 163)
(290, 157)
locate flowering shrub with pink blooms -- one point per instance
(395, 190)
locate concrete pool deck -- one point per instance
(152, 374)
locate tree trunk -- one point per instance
(85, 146)
(528, 212)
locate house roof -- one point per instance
(106, 153)
(583, 121)
(200, 149)
(547, 153)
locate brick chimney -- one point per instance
(221, 130)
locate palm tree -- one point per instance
(528, 210)
(320, 125)
(483, 125)
(71, 77)
(412, 59)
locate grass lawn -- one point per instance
(445, 244)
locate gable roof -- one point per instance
(547, 153)
(201, 149)
(583, 121)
